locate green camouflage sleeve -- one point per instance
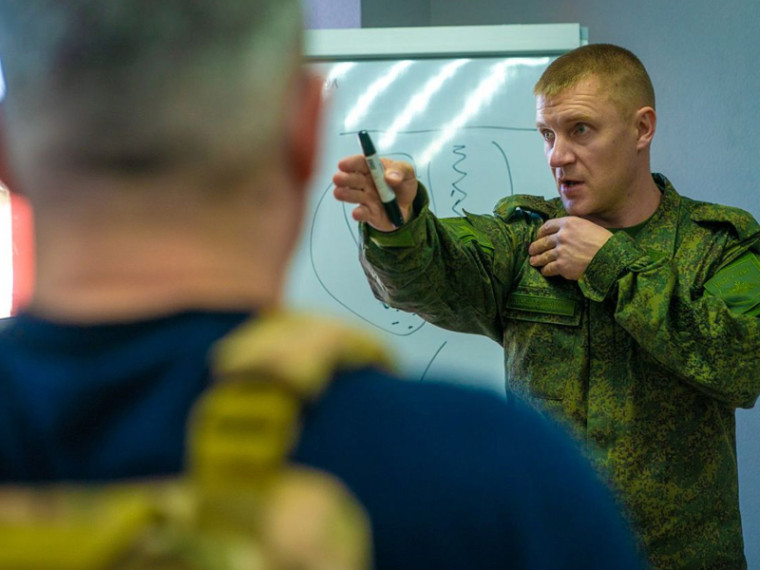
(703, 340)
(445, 270)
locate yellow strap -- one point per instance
(301, 350)
(245, 427)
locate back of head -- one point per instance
(141, 87)
(621, 73)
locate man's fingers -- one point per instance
(355, 180)
(350, 195)
(354, 163)
(398, 171)
(373, 214)
(354, 185)
(550, 270)
(361, 214)
(544, 258)
(550, 227)
(369, 209)
(543, 244)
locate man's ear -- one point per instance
(6, 174)
(646, 124)
(304, 126)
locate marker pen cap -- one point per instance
(367, 145)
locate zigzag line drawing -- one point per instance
(459, 151)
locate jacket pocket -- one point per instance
(542, 342)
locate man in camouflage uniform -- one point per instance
(626, 310)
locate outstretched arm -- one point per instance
(453, 272)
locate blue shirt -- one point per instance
(451, 477)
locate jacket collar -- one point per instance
(658, 236)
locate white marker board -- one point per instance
(458, 104)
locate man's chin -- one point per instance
(573, 207)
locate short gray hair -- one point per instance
(137, 86)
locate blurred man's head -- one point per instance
(165, 146)
(145, 87)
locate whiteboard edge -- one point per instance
(443, 41)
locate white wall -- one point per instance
(322, 14)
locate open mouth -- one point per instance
(569, 183)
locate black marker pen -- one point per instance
(387, 196)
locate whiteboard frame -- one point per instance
(443, 41)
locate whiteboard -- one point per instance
(467, 124)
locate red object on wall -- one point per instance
(22, 232)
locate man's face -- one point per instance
(591, 149)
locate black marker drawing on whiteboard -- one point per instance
(429, 364)
(509, 170)
(456, 190)
(332, 259)
(476, 170)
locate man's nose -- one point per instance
(561, 153)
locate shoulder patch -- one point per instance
(738, 284)
(534, 206)
(743, 223)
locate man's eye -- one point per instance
(547, 135)
(581, 129)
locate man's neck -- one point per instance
(144, 292)
(647, 200)
(641, 202)
(126, 268)
(112, 283)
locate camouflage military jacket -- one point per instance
(644, 365)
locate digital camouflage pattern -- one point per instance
(644, 365)
(240, 506)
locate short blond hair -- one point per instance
(621, 73)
